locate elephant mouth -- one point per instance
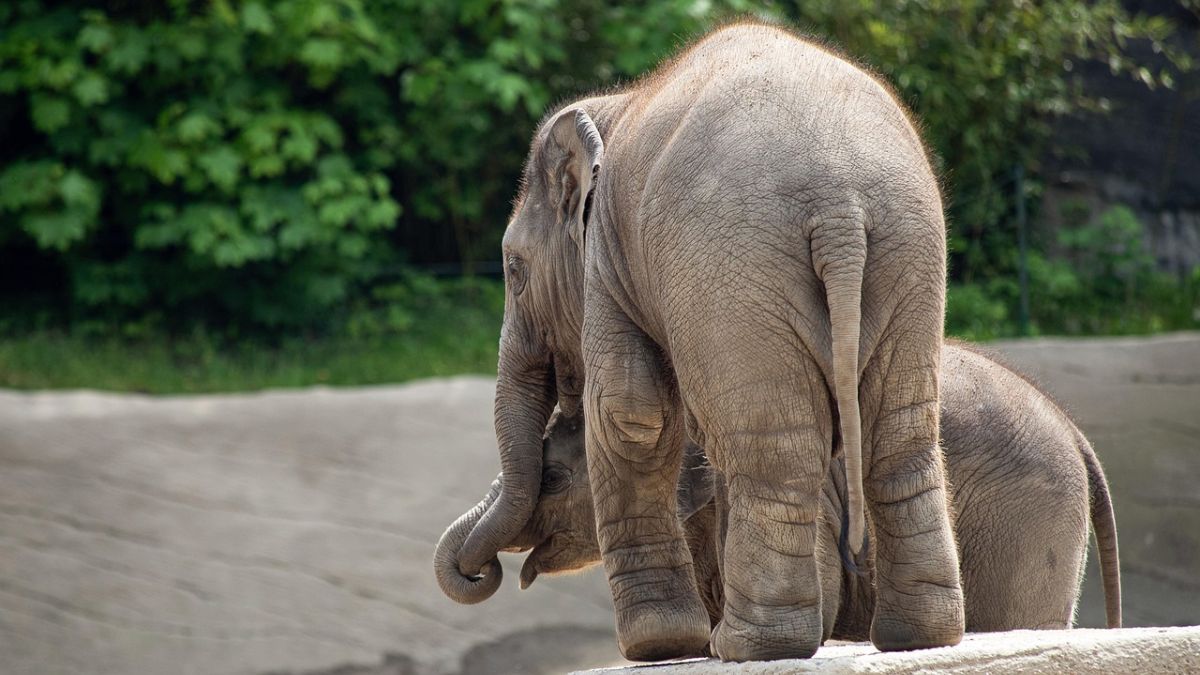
(536, 562)
(555, 554)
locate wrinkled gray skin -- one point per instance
(1025, 485)
(745, 247)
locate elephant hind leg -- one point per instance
(918, 594)
(772, 598)
(1022, 539)
(771, 439)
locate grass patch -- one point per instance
(381, 344)
(194, 365)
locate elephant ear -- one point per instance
(575, 165)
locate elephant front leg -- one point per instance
(634, 452)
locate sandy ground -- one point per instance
(292, 532)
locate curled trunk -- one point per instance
(467, 568)
(467, 590)
(523, 406)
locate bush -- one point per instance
(231, 162)
(972, 313)
(1109, 284)
(1104, 284)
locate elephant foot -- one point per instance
(661, 631)
(918, 590)
(768, 634)
(907, 621)
(659, 614)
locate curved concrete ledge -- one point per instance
(1079, 651)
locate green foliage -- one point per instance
(1104, 284)
(482, 73)
(55, 205)
(257, 167)
(402, 307)
(974, 314)
(225, 163)
(1107, 283)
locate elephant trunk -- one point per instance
(461, 588)
(525, 395)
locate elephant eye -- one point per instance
(555, 480)
(515, 269)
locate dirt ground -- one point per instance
(292, 532)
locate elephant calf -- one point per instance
(1025, 485)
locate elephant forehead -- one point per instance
(519, 233)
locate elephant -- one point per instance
(745, 247)
(1025, 483)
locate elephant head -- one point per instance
(540, 362)
(562, 530)
(561, 534)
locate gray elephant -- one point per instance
(745, 247)
(1025, 485)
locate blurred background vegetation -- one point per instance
(220, 195)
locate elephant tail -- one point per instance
(1104, 524)
(839, 262)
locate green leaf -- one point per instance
(338, 212)
(90, 90)
(57, 74)
(197, 126)
(222, 165)
(58, 229)
(259, 137)
(267, 166)
(192, 45)
(79, 191)
(29, 184)
(299, 145)
(159, 234)
(50, 113)
(129, 53)
(301, 230)
(326, 129)
(322, 53)
(239, 251)
(382, 214)
(352, 245)
(95, 37)
(257, 19)
(163, 162)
